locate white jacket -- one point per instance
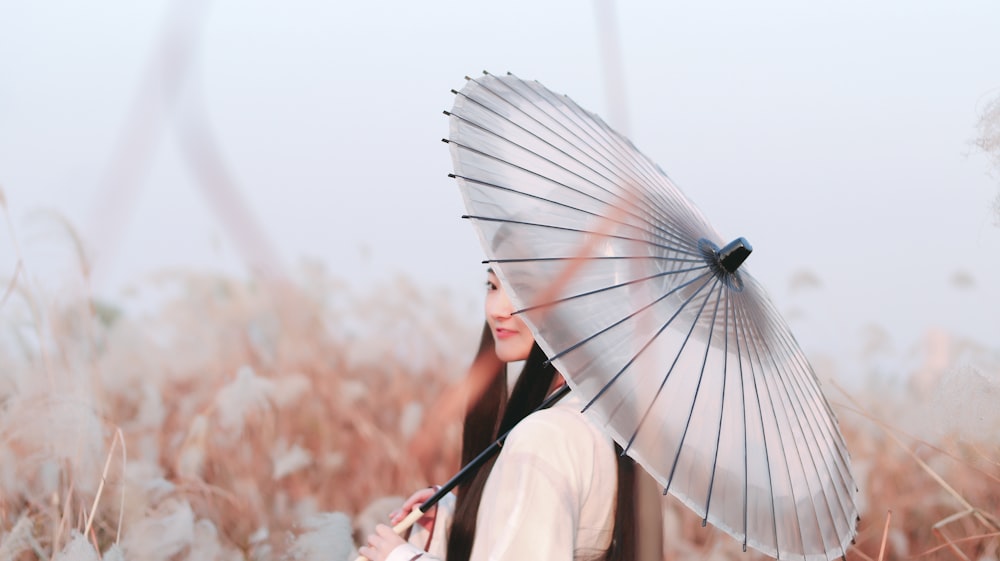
(550, 496)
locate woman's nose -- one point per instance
(501, 306)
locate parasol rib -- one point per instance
(697, 389)
(795, 404)
(748, 346)
(783, 443)
(659, 219)
(649, 175)
(722, 398)
(806, 400)
(568, 229)
(563, 352)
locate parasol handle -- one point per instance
(411, 519)
(403, 525)
(466, 471)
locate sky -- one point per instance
(835, 136)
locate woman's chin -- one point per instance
(510, 355)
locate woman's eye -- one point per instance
(490, 286)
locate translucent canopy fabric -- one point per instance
(683, 360)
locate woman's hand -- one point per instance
(381, 543)
(415, 500)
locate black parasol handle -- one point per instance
(466, 471)
(486, 454)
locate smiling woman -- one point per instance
(558, 489)
(513, 339)
(648, 313)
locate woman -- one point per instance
(551, 492)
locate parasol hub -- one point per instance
(734, 254)
(726, 261)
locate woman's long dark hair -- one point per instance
(482, 416)
(480, 429)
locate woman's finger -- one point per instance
(368, 553)
(415, 499)
(385, 532)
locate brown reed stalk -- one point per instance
(985, 518)
(12, 284)
(953, 543)
(119, 436)
(885, 535)
(968, 510)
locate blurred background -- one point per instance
(153, 152)
(839, 139)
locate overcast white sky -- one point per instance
(835, 136)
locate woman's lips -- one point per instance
(504, 333)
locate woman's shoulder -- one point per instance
(566, 448)
(559, 427)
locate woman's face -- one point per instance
(511, 336)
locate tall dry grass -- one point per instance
(232, 420)
(241, 420)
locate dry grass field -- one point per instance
(241, 420)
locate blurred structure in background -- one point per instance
(169, 99)
(988, 140)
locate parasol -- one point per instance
(648, 314)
